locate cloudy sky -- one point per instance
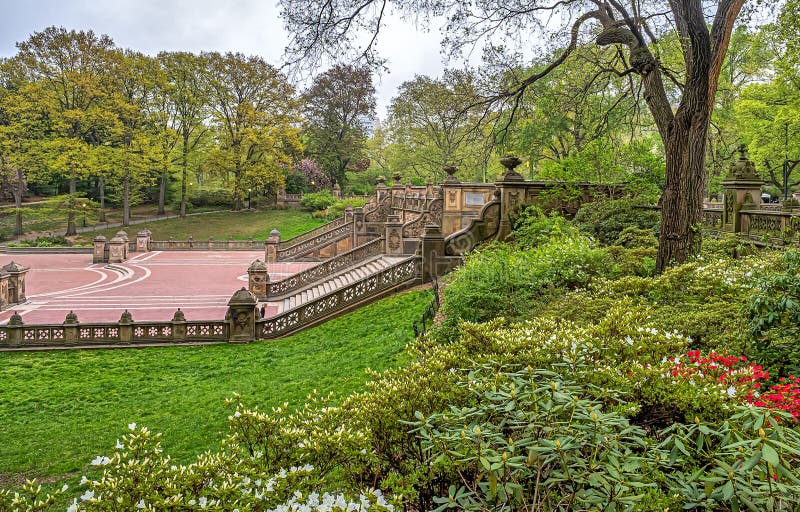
(247, 26)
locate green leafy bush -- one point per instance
(317, 201)
(606, 220)
(336, 210)
(210, 197)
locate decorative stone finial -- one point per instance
(15, 268)
(274, 234)
(510, 162)
(71, 318)
(99, 238)
(451, 170)
(126, 317)
(15, 320)
(381, 181)
(397, 177)
(744, 167)
(258, 265)
(243, 297)
(123, 235)
(179, 316)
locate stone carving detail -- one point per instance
(416, 227)
(712, 219)
(765, 222)
(394, 239)
(381, 212)
(729, 203)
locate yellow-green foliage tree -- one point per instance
(255, 117)
(70, 67)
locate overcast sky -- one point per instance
(247, 26)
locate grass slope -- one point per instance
(58, 410)
(222, 225)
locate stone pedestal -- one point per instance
(393, 241)
(124, 236)
(125, 327)
(512, 188)
(337, 191)
(143, 241)
(99, 251)
(742, 188)
(16, 282)
(432, 251)
(257, 279)
(241, 316)
(4, 302)
(71, 326)
(381, 190)
(15, 327)
(179, 326)
(359, 227)
(116, 250)
(271, 246)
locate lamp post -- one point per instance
(248, 198)
(83, 207)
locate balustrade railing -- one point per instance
(206, 245)
(370, 287)
(340, 221)
(339, 232)
(112, 334)
(325, 269)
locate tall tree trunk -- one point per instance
(71, 230)
(126, 202)
(101, 185)
(19, 192)
(184, 165)
(237, 198)
(162, 189)
(685, 148)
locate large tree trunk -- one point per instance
(71, 229)
(126, 202)
(101, 185)
(18, 194)
(184, 165)
(162, 192)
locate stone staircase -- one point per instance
(331, 284)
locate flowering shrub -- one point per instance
(783, 396)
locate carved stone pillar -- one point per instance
(99, 251)
(16, 282)
(4, 302)
(271, 246)
(359, 227)
(337, 191)
(116, 250)
(71, 326)
(179, 326)
(257, 279)
(393, 243)
(241, 316)
(742, 188)
(15, 327)
(125, 327)
(512, 188)
(143, 241)
(124, 236)
(432, 252)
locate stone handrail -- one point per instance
(481, 228)
(318, 241)
(313, 232)
(433, 215)
(300, 280)
(206, 245)
(334, 303)
(112, 334)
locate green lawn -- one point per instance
(222, 225)
(60, 409)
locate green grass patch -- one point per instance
(60, 409)
(223, 225)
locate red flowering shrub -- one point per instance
(737, 377)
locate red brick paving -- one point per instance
(149, 285)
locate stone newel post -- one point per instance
(271, 246)
(16, 282)
(742, 191)
(116, 250)
(125, 327)
(143, 241)
(124, 236)
(432, 251)
(4, 277)
(99, 251)
(241, 316)
(71, 326)
(393, 244)
(179, 326)
(257, 279)
(15, 330)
